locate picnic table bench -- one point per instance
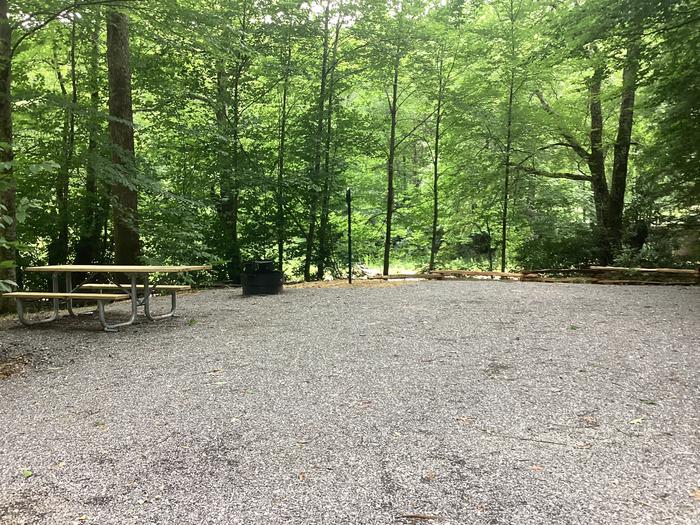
(138, 290)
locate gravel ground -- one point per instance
(426, 402)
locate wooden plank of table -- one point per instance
(113, 268)
(153, 287)
(74, 296)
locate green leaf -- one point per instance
(44, 167)
(27, 473)
(7, 286)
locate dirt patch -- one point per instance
(13, 365)
(495, 369)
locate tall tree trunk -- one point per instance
(512, 15)
(506, 178)
(232, 195)
(393, 108)
(280, 160)
(58, 248)
(88, 248)
(8, 234)
(436, 165)
(317, 144)
(596, 164)
(124, 217)
(324, 227)
(622, 146)
(231, 184)
(228, 208)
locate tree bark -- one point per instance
(88, 248)
(231, 193)
(8, 235)
(436, 165)
(121, 128)
(596, 159)
(228, 207)
(506, 178)
(280, 160)
(58, 248)
(324, 226)
(393, 109)
(324, 250)
(618, 184)
(318, 141)
(512, 16)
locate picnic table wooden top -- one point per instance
(113, 268)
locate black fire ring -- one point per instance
(261, 278)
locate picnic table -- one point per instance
(124, 282)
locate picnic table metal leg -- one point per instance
(69, 289)
(54, 315)
(147, 303)
(54, 287)
(134, 309)
(27, 322)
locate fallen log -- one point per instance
(644, 270)
(575, 280)
(407, 276)
(556, 270)
(470, 273)
(642, 282)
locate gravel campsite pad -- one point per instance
(421, 402)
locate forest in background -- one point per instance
(475, 134)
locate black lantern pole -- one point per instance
(348, 199)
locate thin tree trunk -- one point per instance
(8, 233)
(436, 165)
(88, 248)
(280, 160)
(230, 184)
(124, 217)
(622, 146)
(596, 164)
(318, 141)
(58, 248)
(232, 196)
(490, 250)
(506, 178)
(512, 15)
(393, 108)
(228, 199)
(324, 228)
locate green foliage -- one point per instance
(208, 86)
(6, 285)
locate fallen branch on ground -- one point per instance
(407, 276)
(644, 270)
(470, 273)
(426, 517)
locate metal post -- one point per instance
(348, 199)
(55, 288)
(69, 289)
(134, 308)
